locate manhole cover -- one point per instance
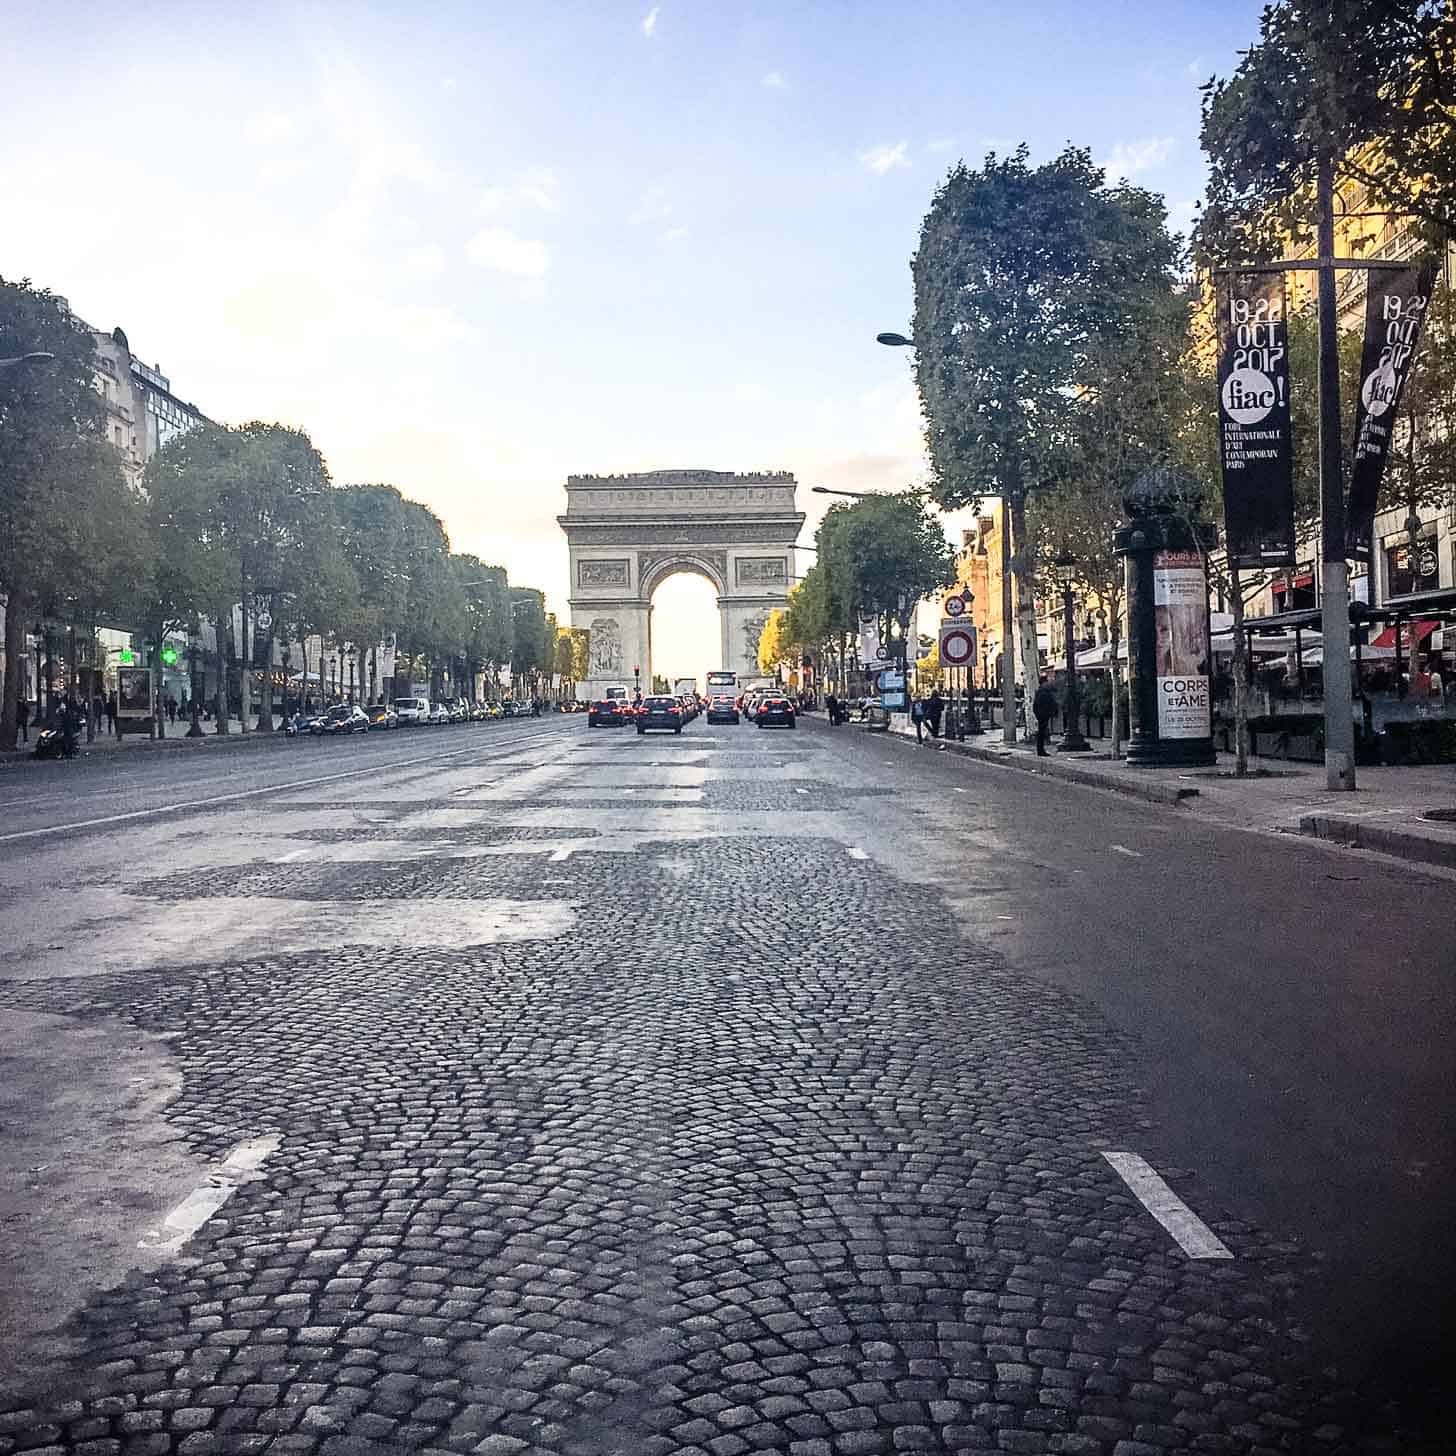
(1441, 816)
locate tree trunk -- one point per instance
(91, 722)
(223, 628)
(159, 718)
(15, 616)
(1025, 606)
(265, 704)
(245, 661)
(1241, 677)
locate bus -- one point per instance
(722, 684)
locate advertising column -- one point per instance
(1180, 627)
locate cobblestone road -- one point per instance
(755, 1156)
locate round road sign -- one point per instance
(263, 620)
(957, 647)
(954, 606)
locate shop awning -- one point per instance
(1416, 632)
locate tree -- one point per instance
(1021, 271)
(1363, 86)
(896, 552)
(773, 641)
(46, 482)
(534, 636)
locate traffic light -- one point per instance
(169, 656)
(126, 657)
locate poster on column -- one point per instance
(1180, 625)
(1395, 305)
(872, 653)
(1256, 438)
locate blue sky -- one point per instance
(473, 248)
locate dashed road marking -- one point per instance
(241, 1166)
(291, 855)
(1123, 849)
(958, 789)
(801, 791)
(1193, 1236)
(855, 852)
(558, 855)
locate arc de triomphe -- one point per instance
(627, 533)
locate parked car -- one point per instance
(340, 720)
(381, 715)
(438, 713)
(607, 712)
(660, 711)
(775, 710)
(412, 710)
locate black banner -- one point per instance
(1395, 306)
(1255, 433)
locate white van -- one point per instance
(412, 710)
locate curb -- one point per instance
(156, 745)
(1362, 834)
(1151, 792)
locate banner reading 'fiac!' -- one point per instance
(1256, 437)
(1395, 305)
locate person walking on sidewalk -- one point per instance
(1044, 707)
(917, 716)
(934, 707)
(22, 719)
(110, 714)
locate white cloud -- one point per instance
(654, 206)
(426, 260)
(500, 249)
(537, 189)
(675, 234)
(266, 128)
(776, 81)
(1129, 159)
(940, 144)
(885, 158)
(649, 22)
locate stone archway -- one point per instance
(628, 533)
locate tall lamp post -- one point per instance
(332, 678)
(349, 653)
(194, 697)
(1072, 739)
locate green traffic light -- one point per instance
(169, 656)
(126, 657)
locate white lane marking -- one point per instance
(857, 853)
(288, 788)
(291, 855)
(1123, 849)
(241, 1166)
(558, 856)
(801, 791)
(958, 789)
(1194, 1236)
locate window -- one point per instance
(116, 430)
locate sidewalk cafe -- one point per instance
(1403, 670)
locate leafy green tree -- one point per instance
(1363, 86)
(47, 482)
(533, 635)
(1021, 272)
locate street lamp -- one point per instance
(1072, 740)
(194, 645)
(332, 677)
(349, 653)
(25, 358)
(895, 341)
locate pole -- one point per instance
(1008, 632)
(1334, 582)
(1073, 740)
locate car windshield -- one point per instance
(340, 712)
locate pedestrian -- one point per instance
(22, 719)
(111, 712)
(831, 706)
(917, 717)
(68, 727)
(1044, 707)
(934, 707)
(171, 708)
(98, 710)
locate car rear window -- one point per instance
(662, 703)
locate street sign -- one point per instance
(957, 643)
(264, 620)
(954, 606)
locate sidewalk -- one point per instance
(1386, 813)
(106, 744)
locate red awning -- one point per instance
(1417, 631)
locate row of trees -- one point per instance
(880, 556)
(228, 515)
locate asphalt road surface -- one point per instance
(524, 1088)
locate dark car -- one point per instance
(341, 719)
(722, 709)
(610, 711)
(381, 715)
(660, 711)
(774, 710)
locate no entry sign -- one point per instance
(957, 643)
